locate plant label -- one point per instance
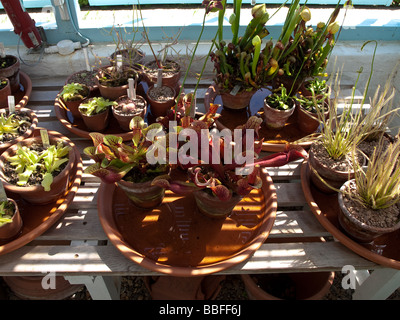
(131, 89)
(11, 104)
(119, 62)
(2, 50)
(159, 78)
(45, 138)
(235, 90)
(85, 52)
(3, 195)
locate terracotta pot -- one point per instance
(356, 229)
(12, 73)
(213, 207)
(276, 119)
(333, 177)
(4, 93)
(124, 119)
(97, 122)
(159, 108)
(37, 194)
(31, 287)
(130, 57)
(73, 105)
(143, 195)
(11, 230)
(109, 92)
(184, 288)
(308, 121)
(171, 80)
(239, 101)
(34, 121)
(87, 78)
(300, 286)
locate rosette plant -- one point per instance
(226, 177)
(115, 159)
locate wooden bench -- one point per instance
(77, 248)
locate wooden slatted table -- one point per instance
(77, 248)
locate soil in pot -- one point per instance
(128, 108)
(170, 75)
(161, 99)
(365, 224)
(9, 68)
(88, 78)
(5, 91)
(334, 172)
(24, 117)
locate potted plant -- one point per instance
(306, 107)
(219, 185)
(9, 68)
(95, 113)
(5, 91)
(72, 95)
(10, 219)
(16, 126)
(38, 172)
(278, 107)
(238, 65)
(369, 202)
(170, 72)
(302, 52)
(85, 77)
(113, 80)
(161, 99)
(126, 165)
(127, 108)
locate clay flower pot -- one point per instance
(113, 91)
(275, 118)
(10, 230)
(333, 177)
(25, 132)
(170, 77)
(356, 229)
(73, 104)
(160, 100)
(289, 286)
(11, 71)
(36, 194)
(88, 78)
(143, 195)
(238, 101)
(5, 91)
(308, 121)
(97, 122)
(127, 109)
(213, 207)
(130, 57)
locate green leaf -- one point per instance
(47, 181)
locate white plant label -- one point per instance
(11, 104)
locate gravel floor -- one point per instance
(133, 288)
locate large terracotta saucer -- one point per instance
(178, 240)
(274, 140)
(78, 127)
(39, 218)
(384, 250)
